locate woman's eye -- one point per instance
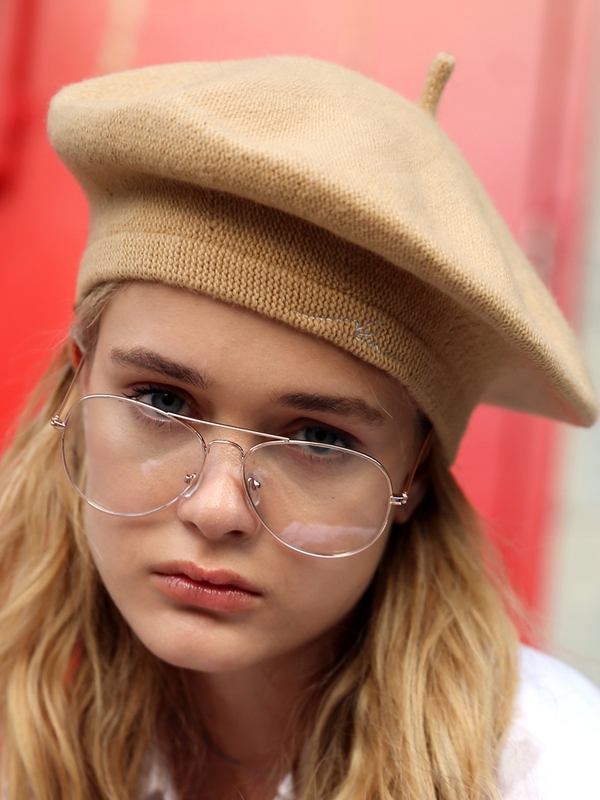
(162, 400)
(318, 435)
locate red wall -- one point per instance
(518, 106)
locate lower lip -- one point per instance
(209, 596)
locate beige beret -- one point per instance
(313, 195)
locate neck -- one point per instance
(251, 716)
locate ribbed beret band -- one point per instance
(312, 195)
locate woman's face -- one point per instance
(202, 583)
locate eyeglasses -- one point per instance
(129, 459)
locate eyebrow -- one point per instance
(142, 358)
(344, 406)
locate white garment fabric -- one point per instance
(553, 748)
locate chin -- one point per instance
(197, 649)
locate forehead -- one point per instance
(232, 344)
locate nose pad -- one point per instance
(193, 480)
(253, 485)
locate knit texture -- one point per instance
(312, 195)
(438, 76)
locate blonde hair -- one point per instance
(417, 705)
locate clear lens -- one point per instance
(319, 499)
(137, 459)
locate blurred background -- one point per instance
(522, 108)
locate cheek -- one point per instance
(113, 551)
(321, 593)
(99, 537)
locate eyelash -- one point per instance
(343, 439)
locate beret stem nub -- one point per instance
(439, 72)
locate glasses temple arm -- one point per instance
(56, 420)
(403, 498)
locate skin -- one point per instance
(250, 665)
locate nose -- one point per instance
(217, 505)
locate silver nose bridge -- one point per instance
(208, 445)
(203, 426)
(224, 441)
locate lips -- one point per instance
(212, 590)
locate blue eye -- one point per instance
(160, 399)
(318, 435)
(165, 401)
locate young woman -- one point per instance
(253, 575)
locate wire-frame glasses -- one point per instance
(127, 458)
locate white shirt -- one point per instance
(553, 747)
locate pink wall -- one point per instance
(518, 106)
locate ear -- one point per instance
(75, 354)
(76, 357)
(416, 493)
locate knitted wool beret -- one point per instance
(314, 196)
